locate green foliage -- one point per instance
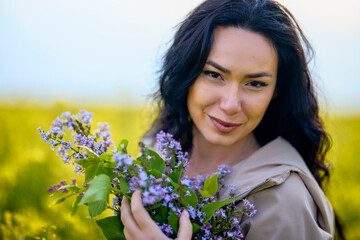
(191, 199)
(95, 166)
(28, 168)
(174, 221)
(124, 186)
(122, 146)
(97, 195)
(112, 228)
(157, 163)
(210, 187)
(210, 208)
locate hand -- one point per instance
(138, 224)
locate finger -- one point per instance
(127, 234)
(140, 214)
(185, 228)
(126, 217)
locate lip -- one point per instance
(222, 126)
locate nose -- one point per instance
(230, 101)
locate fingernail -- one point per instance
(186, 213)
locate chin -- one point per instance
(220, 140)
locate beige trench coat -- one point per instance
(290, 204)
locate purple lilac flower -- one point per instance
(78, 169)
(148, 198)
(66, 115)
(192, 212)
(166, 229)
(79, 124)
(115, 205)
(44, 135)
(133, 184)
(56, 131)
(232, 190)
(156, 193)
(85, 117)
(55, 187)
(121, 161)
(103, 131)
(186, 181)
(168, 146)
(250, 208)
(220, 213)
(234, 221)
(224, 169)
(206, 230)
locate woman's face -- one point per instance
(229, 98)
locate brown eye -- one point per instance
(257, 84)
(213, 75)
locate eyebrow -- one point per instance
(215, 65)
(250, 75)
(258, 75)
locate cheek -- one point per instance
(255, 108)
(201, 96)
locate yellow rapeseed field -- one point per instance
(28, 167)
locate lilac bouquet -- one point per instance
(111, 172)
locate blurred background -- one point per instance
(103, 56)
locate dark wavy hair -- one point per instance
(292, 114)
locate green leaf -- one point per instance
(180, 168)
(157, 162)
(90, 173)
(97, 195)
(106, 170)
(196, 228)
(181, 190)
(124, 186)
(107, 156)
(210, 208)
(211, 184)
(57, 201)
(174, 221)
(156, 173)
(174, 184)
(163, 214)
(191, 199)
(97, 169)
(174, 176)
(205, 194)
(75, 204)
(96, 207)
(71, 188)
(88, 162)
(122, 147)
(158, 219)
(90, 152)
(112, 228)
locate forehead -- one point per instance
(235, 47)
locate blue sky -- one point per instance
(109, 51)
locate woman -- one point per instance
(236, 89)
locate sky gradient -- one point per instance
(109, 51)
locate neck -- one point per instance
(206, 157)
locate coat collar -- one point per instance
(271, 165)
(268, 166)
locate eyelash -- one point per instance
(254, 83)
(257, 84)
(213, 75)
